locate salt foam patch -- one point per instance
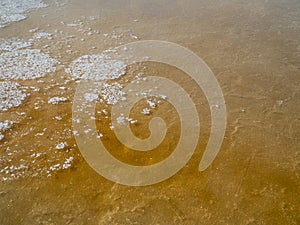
(13, 10)
(26, 64)
(96, 67)
(11, 95)
(13, 44)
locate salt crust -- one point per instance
(13, 44)
(96, 67)
(26, 64)
(11, 95)
(14, 10)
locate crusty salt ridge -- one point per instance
(96, 67)
(26, 64)
(11, 95)
(13, 44)
(14, 10)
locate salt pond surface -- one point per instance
(250, 46)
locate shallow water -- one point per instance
(253, 50)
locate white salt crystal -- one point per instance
(33, 30)
(75, 133)
(112, 93)
(151, 104)
(67, 162)
(100, 135)
(146, 111)
(121, 120)
(96, 67)
(61, 145)
(13, 44)
(11, 95)
(57, 100)
(43, 35)
(26, 64)
(90, 97)
(124, 120)
(5, 125)
(163, 96)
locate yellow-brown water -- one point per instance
(252, 48)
